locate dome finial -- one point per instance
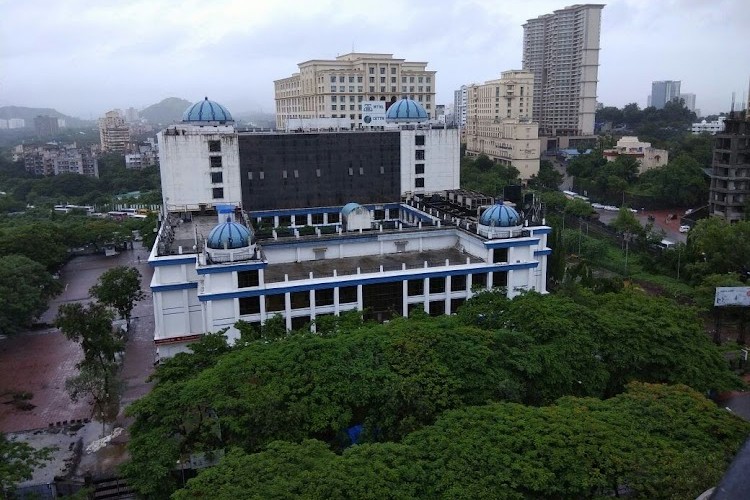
(206, 98)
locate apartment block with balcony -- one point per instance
(114, 133)
(562, 50)
(55, 159)
(730, 171)
(498, 122)
(336, 88)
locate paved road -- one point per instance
(39, 362)
(671, 228)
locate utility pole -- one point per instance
(626, 236)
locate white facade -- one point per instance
(424, 264)
(712, 128)
(200, 165)
(433, 166)
(16, 123)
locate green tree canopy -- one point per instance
(119, 288)
(18, 461)
(394, 379)
(654, 441)
(25, 288)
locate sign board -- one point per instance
(732, 296)
(373, 113)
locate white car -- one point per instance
(684, 229)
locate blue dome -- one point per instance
(206, 111)
(500, 216)
(406, 110)
(229, 235)
(349, 208)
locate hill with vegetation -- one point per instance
(28, 114)
(165, 112)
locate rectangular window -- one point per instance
(419, 182)
(333, 98)
(275, 303)
(359, 79)
(333, 78)
(419, 168)
(372, 79)
(382, 79)
(419, 140)
(217, 177)
(458, 283)
(246, 279)
(341, 79)
(347, 294)
(249, 305)
(393, 70)
(218, 193)
(479, 280)
(215, 161)
(300, 300)
(416, 287)
(334, 107)
(214, 146)
(382, 71)
(372, 70)
(372, 89)
(351, 88)
(419, 154)
(324, 297)
(403, 79)
(351, 79)
(437, 285)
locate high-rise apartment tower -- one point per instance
(664, 91)
(562, 50)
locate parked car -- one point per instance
(684, 229)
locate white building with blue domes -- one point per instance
(313, 223)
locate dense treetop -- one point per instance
(395, 379)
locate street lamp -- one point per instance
(627, 236)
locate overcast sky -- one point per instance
(84, 57)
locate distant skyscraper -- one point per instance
(664, 91)
(689, 101)
(46, 126)
(459, 106)
(562, 50)
(114, 133)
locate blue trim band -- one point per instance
(161, 261)
(545, 230)
(546, 251)
(229, 268)
(512, 243)
(175, 286)
(365, 281)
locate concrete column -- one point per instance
(288, 310)
(447, 295)
(405, 301)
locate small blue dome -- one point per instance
(500, 216)
(206, 111)
(229, 235)
(406, 110)
(349, 208)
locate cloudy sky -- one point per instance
(84, 57)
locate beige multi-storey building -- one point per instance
(114, 133)
(335, 88)
(498, 122)
(562, 50)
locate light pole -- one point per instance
(627, 236)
